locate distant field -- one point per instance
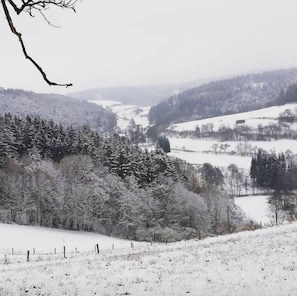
(199, 151)
(252, 119)
(125, 113)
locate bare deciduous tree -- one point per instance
(31, 7)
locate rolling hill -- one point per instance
(61, 109)
(222, 97)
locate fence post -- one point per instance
(28, 255)
(12, 251)
(97, 248)
(33, 251)
(64, 251)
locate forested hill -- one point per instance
(61, 109)
(79, 179)
(288, 96)
(239, 94)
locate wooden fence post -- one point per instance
(64, 251)
(97, 248)
(28, 255)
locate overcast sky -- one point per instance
(132, 42)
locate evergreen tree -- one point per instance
(163, 143)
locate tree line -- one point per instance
(278, 175)
(78, 179)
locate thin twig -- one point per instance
(37, 5)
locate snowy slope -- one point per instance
(263, 262)
(202, 150)
(252, 118)
(45, 240)
(125, 113)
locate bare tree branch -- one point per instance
(40, 6)
(30, 5)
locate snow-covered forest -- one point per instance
(78, 179)
(227, 96)
(58, 108)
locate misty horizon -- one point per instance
(145, 42)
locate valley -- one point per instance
(197, 151)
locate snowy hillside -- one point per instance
(125, 113)
(22, 238)
(252, 118)
(263, 262)
(198, 151)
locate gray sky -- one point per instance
(131, 42)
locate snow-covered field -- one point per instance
(259, 263)
(199, 151)
(264, 117)
(46, 240)
(256, 208)
(125, 113)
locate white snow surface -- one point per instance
(264, 117)
(262, 262)
(125, 113)
(256, 208)
(22, 238)
(199, 151)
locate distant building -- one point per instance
(240, 121)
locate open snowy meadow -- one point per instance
(125, 113)
(261, 262)
(264, 117)
(199, 151)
